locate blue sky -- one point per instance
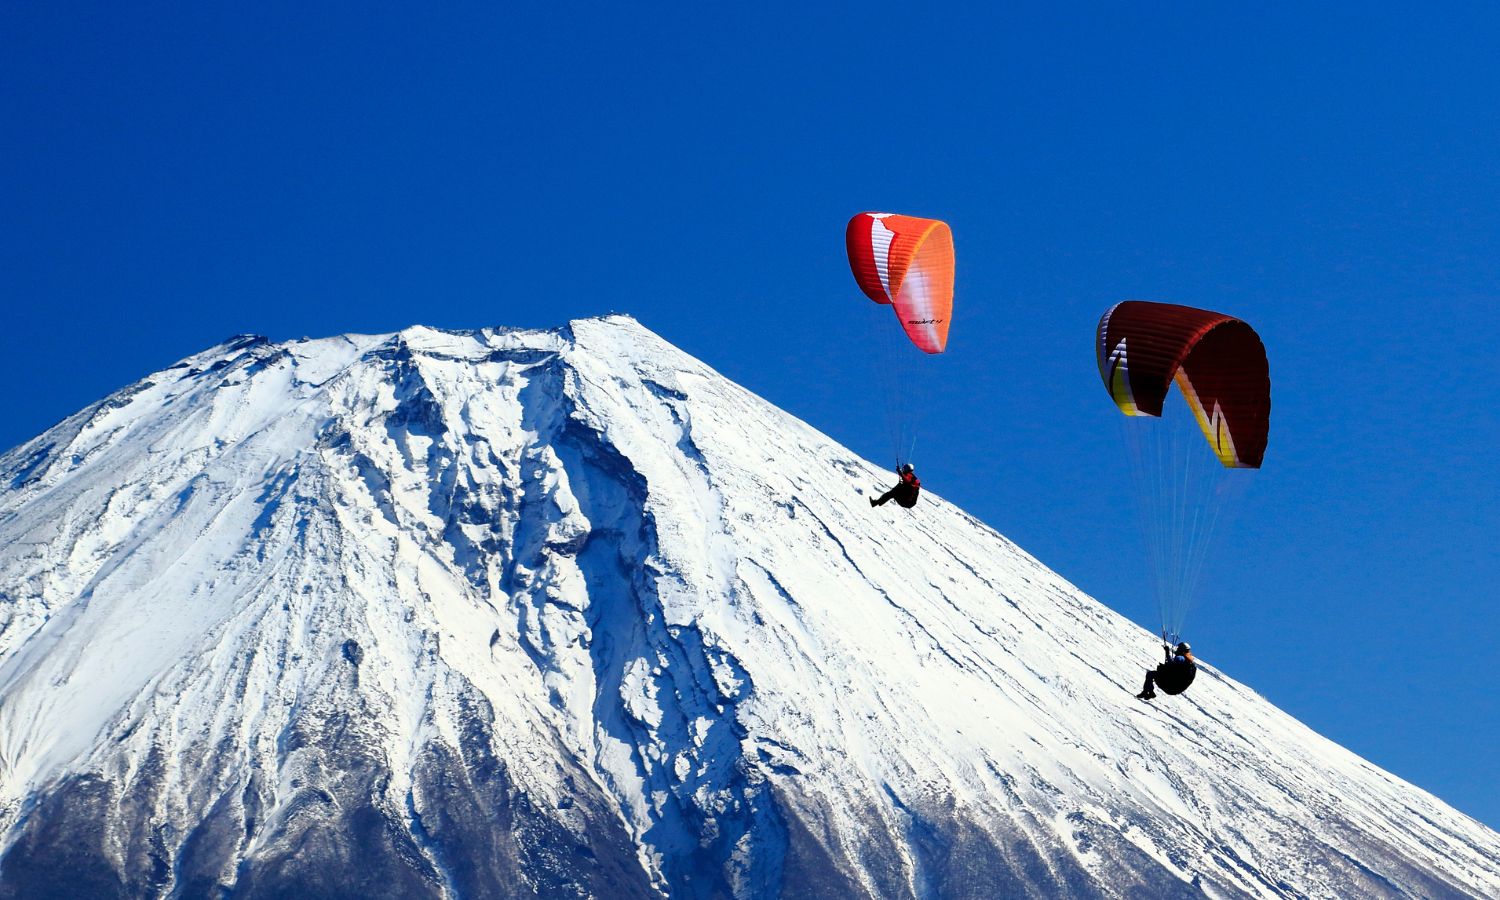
(175, 174)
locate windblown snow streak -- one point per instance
(567, 614)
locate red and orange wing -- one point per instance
(908, 263)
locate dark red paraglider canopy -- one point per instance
(1217, 361)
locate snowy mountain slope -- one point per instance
(565, 613)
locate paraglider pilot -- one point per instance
(905, 492)
(1172, 676)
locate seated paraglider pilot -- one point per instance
(1172, 676)
(905, 492)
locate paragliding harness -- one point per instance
(905, 493)
(908, 489)
(1175, 674)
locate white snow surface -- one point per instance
(652, 574)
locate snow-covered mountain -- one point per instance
(567, 614)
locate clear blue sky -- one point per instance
(173, 174)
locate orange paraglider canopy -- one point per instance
(906, 262)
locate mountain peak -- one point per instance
(564, 612)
